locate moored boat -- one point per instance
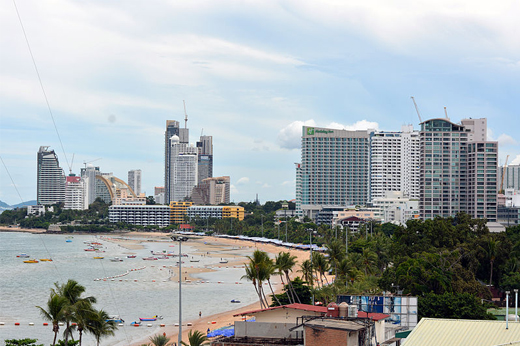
(98, 257)
(45, 260)
(31, 261)
(131, 256)
(116, 259)
(155, 318)
(23, 255)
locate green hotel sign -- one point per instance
(311, 131)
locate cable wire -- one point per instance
(9, 174)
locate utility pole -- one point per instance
(285, 206)
(312, 274)
(262, 225)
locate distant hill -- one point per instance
(5, 206)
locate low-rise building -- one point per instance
(144, 215)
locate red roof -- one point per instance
(296, 306)
(375, 316)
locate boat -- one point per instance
(115, 318)
(135, 323)
(90, 249)
(23, 255)
(150, 258)
(45, 260)
(116, 259)
(155, 318)
(31, 261)
(194, 260)
(223, 261)
(68, 241)
(235, 301)
(131, 256)
(98, 257)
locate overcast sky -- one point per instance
(251, 73)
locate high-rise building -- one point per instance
(134, 181)
(334, 169)
(172, 129)
(458, 170)
(509, 177)
(205, 159)
(75, 197)
(212, 191)
(183, 170)
(394, 162)
(50, 178)
(88, 175)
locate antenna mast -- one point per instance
(185, 116)
(446, 112)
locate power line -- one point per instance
(9, 174)
(41, 83)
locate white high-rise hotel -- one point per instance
(183, 169)
(447, 167)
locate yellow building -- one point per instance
(233, 211)
(178, 212)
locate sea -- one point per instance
(132, 288)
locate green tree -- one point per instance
(100, 326)
(55, 312)
(21, 342)
(196, 338)
(285, 263)
(159, 340)
(453, 305)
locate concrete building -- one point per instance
(458, 170)
(216, 212)
(511, 177)
(179, 212)
(134, 180)
(334, 169)
(144, 215)
(183, 170)
(394, 162)
(75, 196)
(212, 191)
(50, 178)
(396, 208)
(159, 195)
(88, 175)
(205, 158)
(172, 129)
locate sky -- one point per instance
(251, 74)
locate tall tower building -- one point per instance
(212, 191)
(88, 175)
(394, 163)
(172, 129)
(50, 178)
(183, 170)
(75, 196)
(458, 170)
(134, 180)
(334, 169)
(205, 152)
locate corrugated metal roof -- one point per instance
(335, 324)
(436, 332)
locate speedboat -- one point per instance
(45, 260)
(116, 259)
(115, 318)
(155, 318)
(31, 261)
(68, 241)
(150, 258)
(235, 301)
(131, 256)
(98, 257)
(23, 255)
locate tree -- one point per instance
(21, 342)
(453, 305)
(301, 290)
(55, 312)
(100, 325)
(285, 263)
(159, 340)
(196, 338)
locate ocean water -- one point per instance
(23, 286)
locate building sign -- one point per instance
(402, 310)
(311, 131)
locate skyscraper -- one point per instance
(334, 170)
(75, 196)
(50, 178)
(88, 175)
(458, 169)
(172, 129)
(183, 170)
(205, 151)
(134, 180)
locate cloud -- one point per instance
(233, 189)
(505, 140)
(516, 160)
(242, 181)
(266, 185)
(288, 183)
(290, 136)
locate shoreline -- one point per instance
(205, 246)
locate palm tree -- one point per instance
(492, 245)
(258, 270)
(369, 260)
(83, 312)
(159, 340)
(100, 325)
(285, 263)
(306, 270)
(320, 265)
(196, 338)
(72, 291)
(336, 252)
(54, 313)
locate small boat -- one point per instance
(155, 318)
(115, 318)
(223, 261)
(116, 259)
(235, 301)
(68, 241)
(135, 323)
(23, 255)
(194, 260)
(150, 258)
(31, 261)
(90, 249)
(131, 256)
(98, 257)
(45, 260)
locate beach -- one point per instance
(211, 249)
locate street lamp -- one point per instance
(285, 206)
(180, 288)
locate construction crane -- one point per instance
(446, 112)
(503, 174)
(417, 109)
(185, 115)
(86, 162)
(71, 162)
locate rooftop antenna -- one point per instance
(417, 109)
(86, 162)
(446, 112)
(185, 116)
(201, 132)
